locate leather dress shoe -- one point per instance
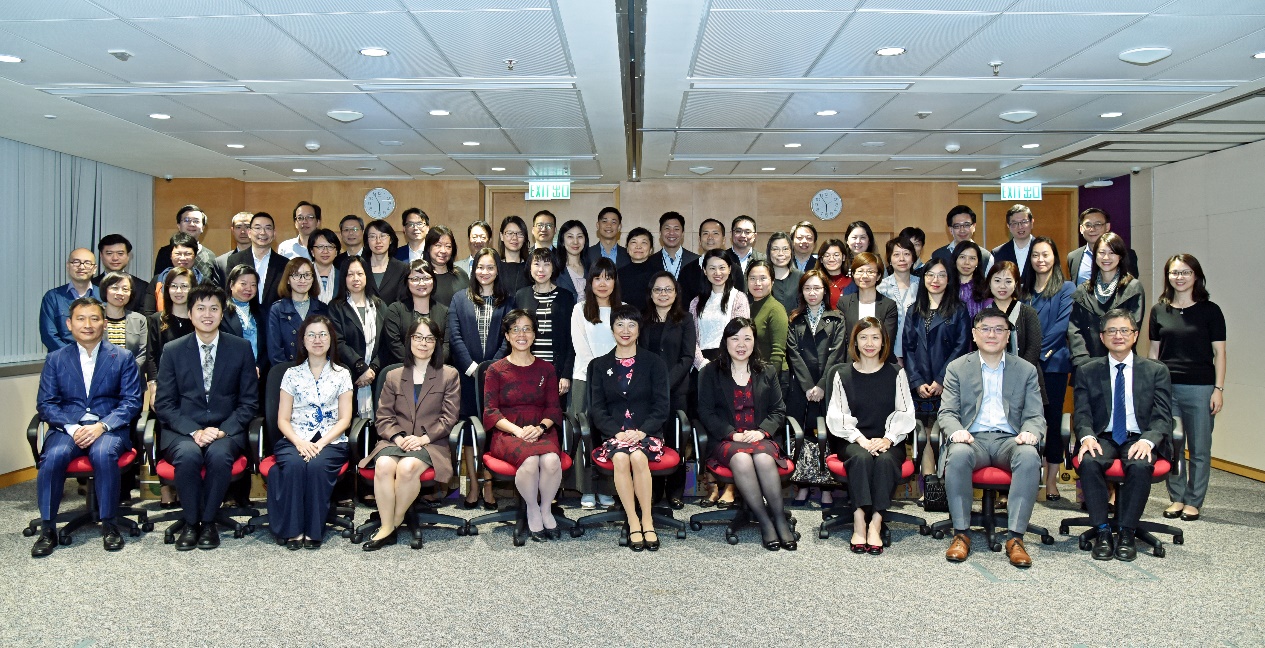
(45, 545)
(375, 544)
(1189, 517)
(1126, 549)
(1017, 554)
(294, 545)
(209, 537)
(111, 539)
(188, 539)
(959, 549)
(1104, 548)
(311, 544)
(1173, 514)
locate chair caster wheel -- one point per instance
(1159, 551)
(357, 538)
(147, 527)
(924, 530)
(938, 535)
(826, 516)
(347, 533)
(1179, 539)
(576, 531)
(239, 533)
(519, 540)
(1085, 545)
(680, 534)
(169, 538)
(823, 534)
(731, 538)
(461, 531)
(28, 532)
(1047, 540)
(797, 536)
(996, 547)
(696, 526)
(472, 530)
(65, 540)
(416, 543)
(1063, 529)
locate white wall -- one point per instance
(1212, 207)
(17, 402)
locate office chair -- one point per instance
(739, 516)
(839, 516)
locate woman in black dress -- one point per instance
(513, 260)
(816, 342)
(441, 247)
(522, 412)
(628, 391)
(420, 302)
(740, 404)
(668, 331)
(869, 415)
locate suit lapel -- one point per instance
(105, 358)
(1137, 395)
(77, 371)
(428, 385)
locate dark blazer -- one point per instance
(233, 326)
(676, 349)
(463, 329)
(945, 253)
(810, 354)
(352, 343)
(1083, 324)
(692, 281)
(1006, 252)
(1074, 263)
(716, 401)
(928, 352)
(283, 328)
(401, 253)
(182, 404)
(140, 291)
(276, 266)
(687, 257)
(399, 317)
(634, 281)
(594, 253)
(964, 393)
(1028, 339)
(159, 338)
(560, 317)
(114, 397)
(647, 400)
(885, 310)
(1152, 400)
(222, 267)
(394, 282)
(432, 414)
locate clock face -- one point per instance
(827, 204)
(378, 203)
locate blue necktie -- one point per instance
(1119, 433)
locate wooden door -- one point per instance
(1054, 215)
(583, 206)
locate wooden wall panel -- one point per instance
(220, 198)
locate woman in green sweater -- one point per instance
(771, 322)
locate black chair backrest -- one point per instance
(479, 376)
(380, 380)
(272, 398)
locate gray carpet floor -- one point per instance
(588, 591)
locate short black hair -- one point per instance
(181, 239)
(352, 217)
(667, 216)
(610, 210)
(914, 234)
(241, 270)
(190, 208)
(414, 210)
(316, 209)
(740, 218)
(625, 312)
(263, 215)
(326, 234)
(639, 231)
(543, 212)
(711, 220)
(1117, 313)
(507, 322)
(113, 239)
(991, 311)
(1080, 218)
(87, 300)
(207, 290)
(960, 209)
(487, 227)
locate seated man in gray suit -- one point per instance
(1123, 411)
(991, 409)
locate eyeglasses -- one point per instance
(176, 288)
(961, 227)
(544, 227)
(1112, 332)
(317, 335)
(864, 272)
(378, 237)
(1091, 225)
(993, 330)
(324, 248)
(423, 339)
(511, 234)
(191, 221)
(417, 281)
(1022, 223)
(415, 225)
(350, 230)
(522, 329)
(302, 276)
(120, 288)
(1181, 274)
(80, 263)
(664, 290)
(743, 232)
(936, 275)
(304, 218)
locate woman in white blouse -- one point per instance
(713, 311)
(313, 413)
(869, 415)
(900, 285)
(591, 335)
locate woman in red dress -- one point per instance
(520, 408)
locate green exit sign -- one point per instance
(1021, 191)
(558, 190)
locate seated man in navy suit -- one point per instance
(89, 393)
(207, 394)
(1123, 411)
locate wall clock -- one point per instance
(827, 204)
(378, 203)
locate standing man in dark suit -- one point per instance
(416, 225)
(268, 263)
(743, 235)
(204, 414)
(992, 411)
(673, 257)
(1094, 222)
(115, 252)
(1019, 220)
(711, 236)
(961, 224)
(241, 236)
(191, 220)
(1130, 425)
(89, 393)
(351, 230)
(609, 222)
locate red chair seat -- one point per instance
(271, 460)
(991, 476)
(427, 475)
(835, 465)
(167, 471)
(724, 472)
(80, 466)
(506, 469)
(667, 463)
(1116, 471)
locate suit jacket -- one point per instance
(1074, 263)
(222, 267)
(755, 255)
(594, 253)
(394, 284)
(232, 325)
(399, 317)
(276, 266)
(431, 415)
(1083, 325)
(352, 341)
(463, 328)
(402, 253)
(885, 310)
(716, 401)
(560, 316)
(693, 283)
(687, 257)
(1006, 252)
(182, 403)
(114, 397)
(810, 354)
(140, 291)
(1152, 400)
(928, 351)
(283, 328)
(647, 400)
(676, 350)
(964, 392)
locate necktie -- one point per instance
(208, 365)
(1118, 432)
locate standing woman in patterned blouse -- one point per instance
(553, 307)
(972, 288)
(474, 319)
(313, 414)
(521, 411)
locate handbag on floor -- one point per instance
(934, 498)
(810, 463)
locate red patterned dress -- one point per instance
(525, 396)
(744, 419)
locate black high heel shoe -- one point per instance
(789, 545)
(859, 548)
(651, 545)
(638, 545)
(540, 536)
(468, 505)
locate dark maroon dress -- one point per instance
(744, 419)
(525, 396)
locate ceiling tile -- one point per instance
(983, 169)
(534, 108)
(478, 42)
(286, 168)
(1134, 106)
(52, 10)
(945, 109)
(1046, 104)
(712, 143)
(473, 5)
(1014, 145)
(835, 168)
(1189, 36)
(786, 5)
(764, 43)
(216, 141)
(852, 109)
(1047, 38)
(1230, 61)
(246, 111)
(324, 6)
(315, 106)
(551, 141)
(809, 143)
(1195, 126)
(1131, 157)
(294, 141)
(43, 67)
(682, 169)
(355, 168)
(1220, 7)
(1087, 6)
(934, 143)
(338, 39)
(938, 5)
(464, 108)
(1248, 110)
(371, 141)
(1163, 146)
(412, 164)
(245, 47)
(927, 38)
(484, 167)
(756, 167)
(892, 143)
(176, 8)
(138, 108)
(450, 140)
(706, 109)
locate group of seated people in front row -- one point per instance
(739, 340)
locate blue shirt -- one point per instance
(992, 408)
(612, 255)
(55, 310)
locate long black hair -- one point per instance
(1198, 293)
(436, 358)
(731, 284)
(1055, 284)
(755, 363)
(979, 289)
(475, 292)
(343, 293)
(432, 237)
(950, 303)
(602, 266)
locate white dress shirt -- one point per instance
(261, 267)
(1130, 415)
(88, 364)
(673, 263)
(992, 409)
(292, 248)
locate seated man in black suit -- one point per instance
(1123, 411)
(207, 394)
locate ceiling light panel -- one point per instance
(712, 143)
(853, 108)
(529, 37)
(1046, 105)
(215, 141)
(1134, 106)
(1189, 36)
(451, 140)
(705, 109)
(465, 110)
(928, 38)
(316, 107)
(260, 49)
(1048, 38)
(854, 143)
(338, 38)
(756, 167)
(810, 143)
(294, 141)
(534, 108)
(137, 110)
(780, 44)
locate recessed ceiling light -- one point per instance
(1259, 55)
(50, 116)
(439, 113)
(344, 116)
(903, 169)
(1018, 116)
(1145, 55)
(1031, 146)
(792, 145)
(1111, 115)
(827, 113)
(768, 168)
(299, 170)
(373, 51)
(498, 168)
(159, 116)
(700, 170)
(9, 58)
(391, 142)
(969, 170)
(432, 170)
(469, 143)
(235, 146)
(873, 144)
(364, 168)
(890, 51)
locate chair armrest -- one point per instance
(454, 435)
(920, 439)
(585, 430)
(699, 433)
(478, 439)
(1177, 454)
(793, 433)
(356, 432)
(823, 432)
(256, 434)
(34, 436)
(149, 440)
(682, 427)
